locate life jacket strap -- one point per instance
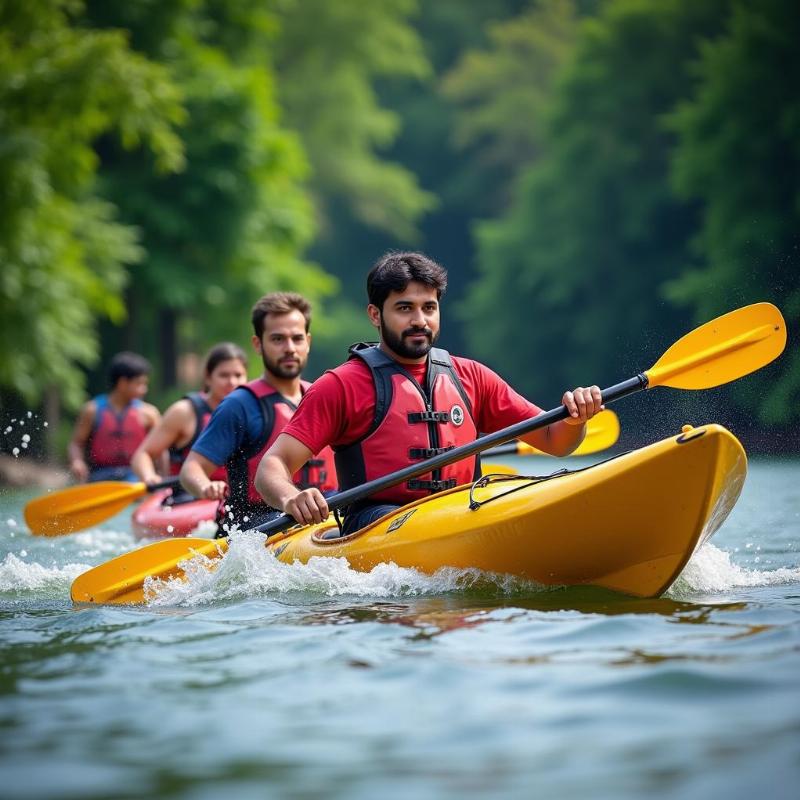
(305, 473)
(427, 452)
(431, 486)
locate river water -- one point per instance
(319, 682)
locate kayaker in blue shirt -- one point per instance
(249, 419)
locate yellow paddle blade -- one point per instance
(122, 579)
(498, 469)
(79, 507)
(722, 350)
(602, 432)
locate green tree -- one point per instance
(502, 93)
(333, 60)
(575, 268)
(329, 57)
(63, 252)
(739, 155)
(424, 147)
(233, 224)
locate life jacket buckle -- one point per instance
(441, 417)
(427, 452)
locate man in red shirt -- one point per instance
(402, 401)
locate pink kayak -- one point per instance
(155, 518)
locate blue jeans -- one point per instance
(112, 474)
(363, 515)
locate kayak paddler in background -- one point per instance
(250, 418)
(224, 368)
(400, 401)
(111, 426)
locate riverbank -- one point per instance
(25, 472)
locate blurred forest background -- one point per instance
(598, 176)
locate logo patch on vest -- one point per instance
(457, 415)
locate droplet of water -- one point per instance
(15, 452)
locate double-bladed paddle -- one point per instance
(78, 507)
(717, 352)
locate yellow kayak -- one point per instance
(629, 524)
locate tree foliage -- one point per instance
(667, 180)
(594, 229)
(234, 223)
(626, 167)
(329, 56)
(502, 93)
(63, 252)
(739, 157)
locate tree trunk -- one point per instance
(131, 323)
(168, 346)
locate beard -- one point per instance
(403, 347)
(283, 368)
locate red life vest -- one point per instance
(411, 423)
(277, 410)
(114, 436)
(202, 413)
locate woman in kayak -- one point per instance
(225, 369)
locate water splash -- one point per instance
(711, 570)
(249, 570)
(18, 576)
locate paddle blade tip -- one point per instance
(723, 349)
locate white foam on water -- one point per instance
(97, 543)
(711, 570)
(206, 529)
(249, 569)
(18, 576)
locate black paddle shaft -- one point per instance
(169, 483)
(345, 498)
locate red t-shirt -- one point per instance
(339, 407)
